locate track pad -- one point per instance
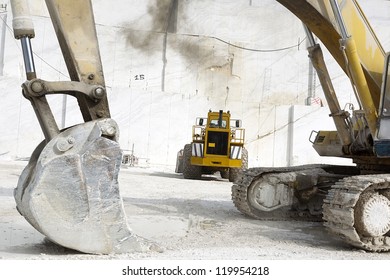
(69, 191)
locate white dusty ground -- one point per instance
(189, 219)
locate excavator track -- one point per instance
(353, 207)
(350, 200)
(244, 193)
(240, 194)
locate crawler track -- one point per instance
(241, 189)
(339, 215)
(341, 206)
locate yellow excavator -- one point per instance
(69, 189)
(353, 201)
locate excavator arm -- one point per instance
(319, 17)
(345, 31)
(75, 28)
(69, 190)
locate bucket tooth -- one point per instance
(69, 191)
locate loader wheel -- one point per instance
(224, 174)
(233, 172)
(179, 162)
(190, 171)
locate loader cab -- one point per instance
(215, 123)
(382, 139)
(219, 120)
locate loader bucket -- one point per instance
(69, 191)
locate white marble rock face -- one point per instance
(158, 83)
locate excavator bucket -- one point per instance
(69, 191)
